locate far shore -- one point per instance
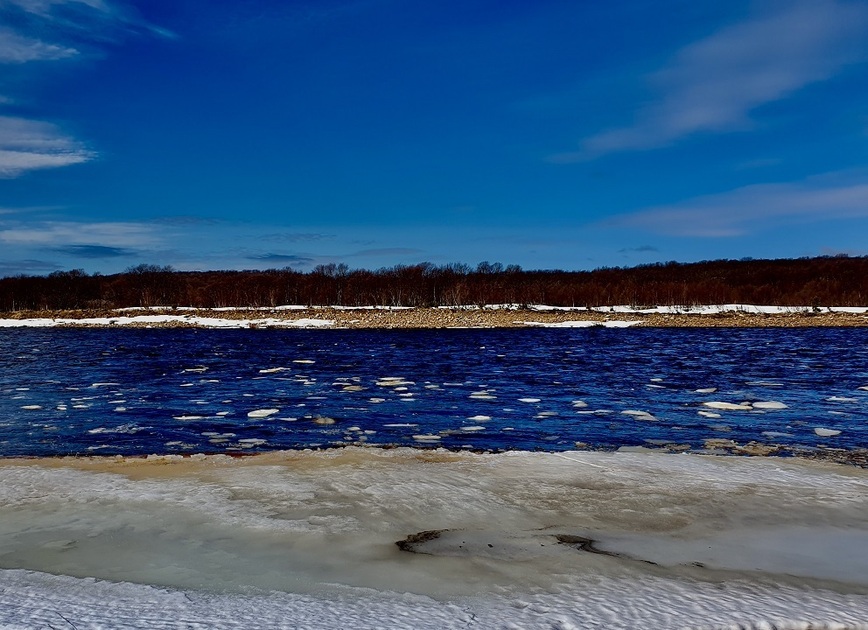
(443, 317)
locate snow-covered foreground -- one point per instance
(515, 540)
(38, 600)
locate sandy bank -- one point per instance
(473, 317)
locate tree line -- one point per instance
(826, 281)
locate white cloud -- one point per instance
(15, 48)
(739, 211)
(27, 145)
(106, 234)
(714, 84)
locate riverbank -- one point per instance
(569, 540)
(730, 316)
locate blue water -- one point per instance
(135, 391)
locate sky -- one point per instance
(554, 134)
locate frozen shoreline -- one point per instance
(308, 539)
(490, 316)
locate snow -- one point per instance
(151, 320)
(306, 540)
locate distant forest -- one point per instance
(823, 281)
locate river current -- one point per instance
(163, 391)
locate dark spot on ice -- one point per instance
(411, 542)
(587, 544)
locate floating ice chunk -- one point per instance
(105, 384)
(427, 438)
(770, 404)
(529, 400)
(480, 418)
(639, 415)
(473, 428)
(728, 406)
(654, 386)
(391, 381)
(120, 409)
(32, 407)
(706, 390)
(198, 369)
(251, 441)
(709, 414)
(273, 370)
(186, 385)
(324, 420)
(188, 418)
(401, 425)
(822, 432)
(262, 413)
(305, 361)
(376, 400)
(579, 404)
(842, 399)
(776, 434)
(764, 384)
(656, 380)
(546, 414)
(482, 395)
(353, 388)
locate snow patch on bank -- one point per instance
(162, 320)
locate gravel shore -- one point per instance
(366, 318)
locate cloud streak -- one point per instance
(16, 49)
(742, 210)
(95, 251)
(714, 84)
(65, 233)
(29, 144)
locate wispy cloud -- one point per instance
(185, 221)
(714, 84)
(29, 144)
(742, 210)
(67, 233)
(15, 48)
(26, 266)
(296, 237)
(95, 251)
(289, 259)
(51, 31)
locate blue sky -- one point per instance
(550, 134)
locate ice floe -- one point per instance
(769, 404)
(262, 413)
(728, 406)
(823, 432)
